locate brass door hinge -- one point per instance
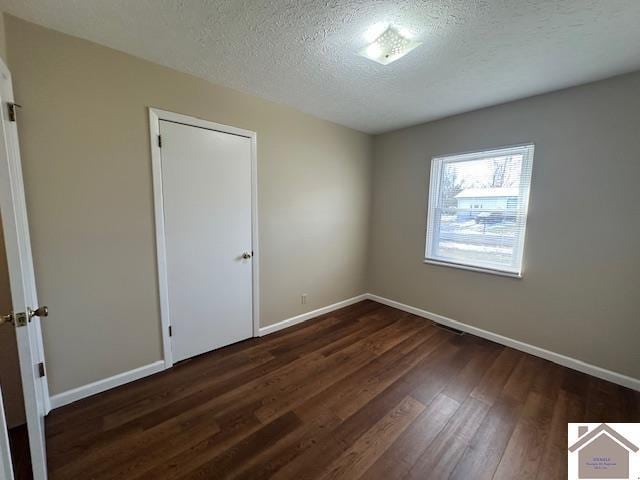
(12, 110)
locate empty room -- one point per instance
(319, 239)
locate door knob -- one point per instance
(6, 319)
(39, 312)
(246, 256)
(19, 319)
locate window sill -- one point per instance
(461, 266)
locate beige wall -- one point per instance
(3, 41)
(87, 167)
(579, 294)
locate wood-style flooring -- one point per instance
(364, 392)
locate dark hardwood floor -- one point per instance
(364, 392)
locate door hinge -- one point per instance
(41, 372)
(12, 110)
(160, 141)
(170, 331)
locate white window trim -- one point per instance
(462, 266)
(528, 150)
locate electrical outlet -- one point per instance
(303, 299)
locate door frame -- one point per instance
(155, 115)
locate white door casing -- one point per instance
(205, 190)
(22, 278)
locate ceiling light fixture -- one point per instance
(389, 46)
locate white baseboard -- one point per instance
(78, 393)
(290, 322)
(100, 386)
(558, 358)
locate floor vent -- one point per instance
(455, 331)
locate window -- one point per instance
(478, 209)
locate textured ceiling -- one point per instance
(303, 53)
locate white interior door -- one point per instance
(22, 280)
(6, 471)
(207, 199)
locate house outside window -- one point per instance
(477, 213)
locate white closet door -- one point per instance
(206, 189)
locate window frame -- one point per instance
(437, 163)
